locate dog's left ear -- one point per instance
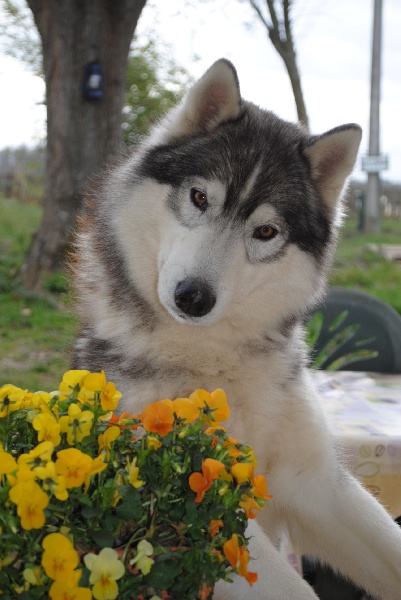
(332, 157)
(213, 99)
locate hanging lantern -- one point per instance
(93, 81)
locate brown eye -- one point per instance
(265, 232)
(199, 199)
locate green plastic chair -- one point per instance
(351, 331)
(355, 331)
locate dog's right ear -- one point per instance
(213, 99)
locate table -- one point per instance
(364, 410)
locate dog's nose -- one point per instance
(194, 297)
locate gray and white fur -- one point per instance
(196, 263)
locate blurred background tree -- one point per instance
(276, 18)
(154, 84)
(84, 133)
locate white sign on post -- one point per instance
(374, 164)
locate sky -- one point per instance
(333, 40)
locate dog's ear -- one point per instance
(332, 157)
(213, 99)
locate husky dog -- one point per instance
(196, 264)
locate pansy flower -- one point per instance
(11, 398)
(106, 439)
(31, 501)
(77, 424)
(214, 404)
(68, 589)
(74, 466)
(109, 396)
(47, 427)
(59, 558)
(105, 570)
(201, 482)
(238, 558)
(158, 418)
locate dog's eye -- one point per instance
(199, 199)
(265, 232)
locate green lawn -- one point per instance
(357, 267)
(37, 331)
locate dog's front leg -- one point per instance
(277, 580)
(334, 519)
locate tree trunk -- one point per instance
(279, 30)
(289, 59)
(280, 34)
(82, 134)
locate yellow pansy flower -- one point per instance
(68, 589)
(59, 558)
(72, 380)
(106, 439)
(242, 472)
(11, 398)
(8, 464)
(38, 401)
(152, 442)
(47, 427)
(133, 472)
(142, 560)
(38, 456)
(105, 570)
(31, 500)
(51, 481)
(74, 466)
(33, 575)
(23, 474)
(108, 394)
(77, 424)
(98, 465)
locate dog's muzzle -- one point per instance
(194, 297)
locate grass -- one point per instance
(357, 267)
(37, 331)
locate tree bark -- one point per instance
(82, 134)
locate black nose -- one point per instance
(194, 298)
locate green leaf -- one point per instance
(111, 522)
(131, 505)
(103, 539)
(90, 512)
(163, 573)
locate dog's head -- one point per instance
(234, 210)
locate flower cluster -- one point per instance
(95, 504)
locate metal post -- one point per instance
(372, 207)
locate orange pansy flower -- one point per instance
(158, 418)
(248, 504)
(215, 525)
(216, 403)
(238, 558)
(201, 482)
(205, 592)
(259, 487)
(184, 408)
